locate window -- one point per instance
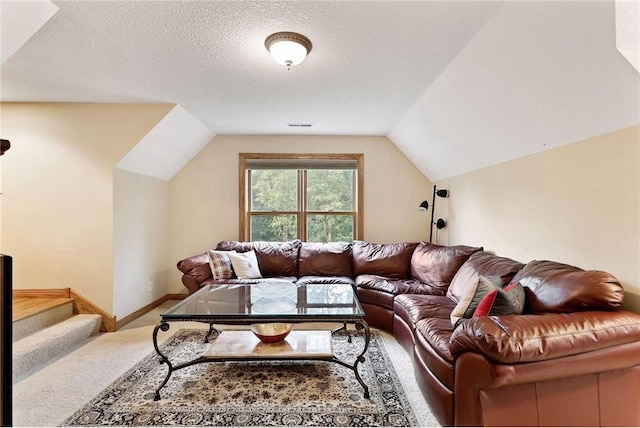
(316, 198)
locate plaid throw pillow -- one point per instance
(220, 264)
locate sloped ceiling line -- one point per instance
(19, 21)
(168, 147)
(628, 31)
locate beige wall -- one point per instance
(204, 194)
(140, 241)
(57, 202)
(578, 204)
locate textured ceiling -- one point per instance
(455, 85)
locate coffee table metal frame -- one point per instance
(356, 318)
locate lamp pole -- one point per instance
(433, 208)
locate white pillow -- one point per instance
(245, 265)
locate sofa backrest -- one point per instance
(555, 287)
(325, 259)
(482, 263)
(436, 265)
(274, 258)
(389, 260)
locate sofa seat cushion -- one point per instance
(274, 258)
(375, 298)
(325, 259)
(414, 307)
(443, 368)
(313, 279)
(389, 260)
(482, 263)
(436, 265)
(291, 279)
(553, 287)
(437, 332)
(396, 286)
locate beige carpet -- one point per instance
(49, 396)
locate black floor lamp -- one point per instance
(440, 223)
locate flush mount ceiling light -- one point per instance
(287, 48)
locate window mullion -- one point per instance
(302, 208)
(249, 208)
(354, 203)
(354, 180)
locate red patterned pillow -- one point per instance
(508, 301)
(472, 297)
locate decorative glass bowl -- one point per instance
(273, 289)
(267, 305)
(271, 332)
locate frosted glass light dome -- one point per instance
(287, 48)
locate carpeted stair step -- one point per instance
(25, 326)
(38, 349)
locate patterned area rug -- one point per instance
(274, 393)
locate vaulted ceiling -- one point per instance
(455, 85)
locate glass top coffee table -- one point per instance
(268, 304)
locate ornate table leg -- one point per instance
(345, 329)
(164, 326)
(212, 332)
(360, 325)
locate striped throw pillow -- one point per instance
(220, 264)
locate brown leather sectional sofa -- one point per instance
(572, 358)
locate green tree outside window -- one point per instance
(278, 213)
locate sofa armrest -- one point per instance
(513, 339)
(196, 270)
